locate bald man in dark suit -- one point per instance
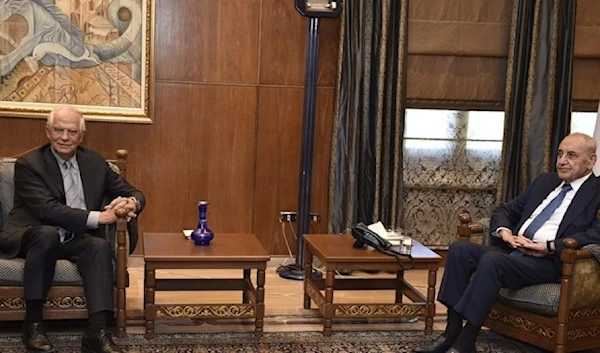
(526, 250)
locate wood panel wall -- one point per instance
(228, 119)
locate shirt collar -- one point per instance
(61, 161)
(576, 184)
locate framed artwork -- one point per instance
(96, 55)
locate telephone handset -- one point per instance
(364, 236)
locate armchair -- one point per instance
(66, 299)
(559, 317)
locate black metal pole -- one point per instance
(314, 11)
(306, 160)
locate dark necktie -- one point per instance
(545, 215)
(547, 212)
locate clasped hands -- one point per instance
(109, 216)
(524, 244)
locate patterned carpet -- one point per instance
(300, 342)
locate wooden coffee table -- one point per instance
(226, 251)
(336, 253)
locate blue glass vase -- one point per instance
(202, 235)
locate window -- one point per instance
(426, 128)
(429, 129)
(433, 129)
(485, 130)
(451, 163)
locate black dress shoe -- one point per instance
(35, 338)
(439, 345)
(100, 342)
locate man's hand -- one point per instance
(514, 241)
(534, 249)
(107, 216)
(122, 202)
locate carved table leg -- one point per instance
(308, 259)
(150, 308)
(430, 311)
(328, 307)
(245, 287)
(260, 300)
(399, 278)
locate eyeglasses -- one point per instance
(59, 131)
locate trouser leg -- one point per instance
(93, 258)
(39, 249)
(461, 262)
(500, 270)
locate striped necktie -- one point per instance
(73, 196)
(71, 184)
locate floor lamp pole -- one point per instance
(313, 11)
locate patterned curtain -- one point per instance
(539, 85)
(366, 168)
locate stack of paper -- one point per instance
(380, 230)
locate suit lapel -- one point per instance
(581, 200)
(87, 177)
(54, 171)
(536, 199)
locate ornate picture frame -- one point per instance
(97, 55)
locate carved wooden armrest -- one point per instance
(476, 228)
(464, 229)
(121, 249)
(467, 230)
(122, 255)
(580, 276)
(571, 254)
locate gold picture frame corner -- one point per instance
(26, 96)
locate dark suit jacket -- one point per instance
(579, 222)
(40, 195)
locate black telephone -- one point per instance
(364, 236)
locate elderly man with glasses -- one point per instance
(59, 190)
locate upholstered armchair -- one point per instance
(66, 299)
(559, 317)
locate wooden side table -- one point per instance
(226, 251)
(336, 253)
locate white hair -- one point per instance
(67, 108)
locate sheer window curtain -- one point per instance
(451, 162)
